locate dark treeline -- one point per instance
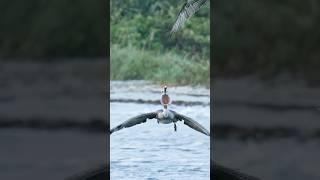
(267, 38)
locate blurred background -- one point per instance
(52, 88)
(266, 87)
(144, 58)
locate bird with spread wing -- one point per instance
(164, 116)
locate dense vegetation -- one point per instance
(168, 67)
(142, 48)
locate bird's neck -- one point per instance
(165, 111)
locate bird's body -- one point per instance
(163, 116)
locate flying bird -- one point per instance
(188, 9)
(164, 116)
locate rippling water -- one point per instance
(155, 151)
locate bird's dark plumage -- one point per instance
(192, 123)
(134, 121)
(142, 118)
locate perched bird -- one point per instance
(188, 9)
(164, 116)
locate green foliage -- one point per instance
(143, 49)
(146, 24)
(132, 63)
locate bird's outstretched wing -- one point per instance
(188, 9)
(134, 121)
(192, 123)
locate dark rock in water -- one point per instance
(219, 173)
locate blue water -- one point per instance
(154, 151)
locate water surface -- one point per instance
(155, 151)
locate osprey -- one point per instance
(164, 116)
(188, 9)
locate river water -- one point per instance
(155, 151)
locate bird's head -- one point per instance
(165, 99)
